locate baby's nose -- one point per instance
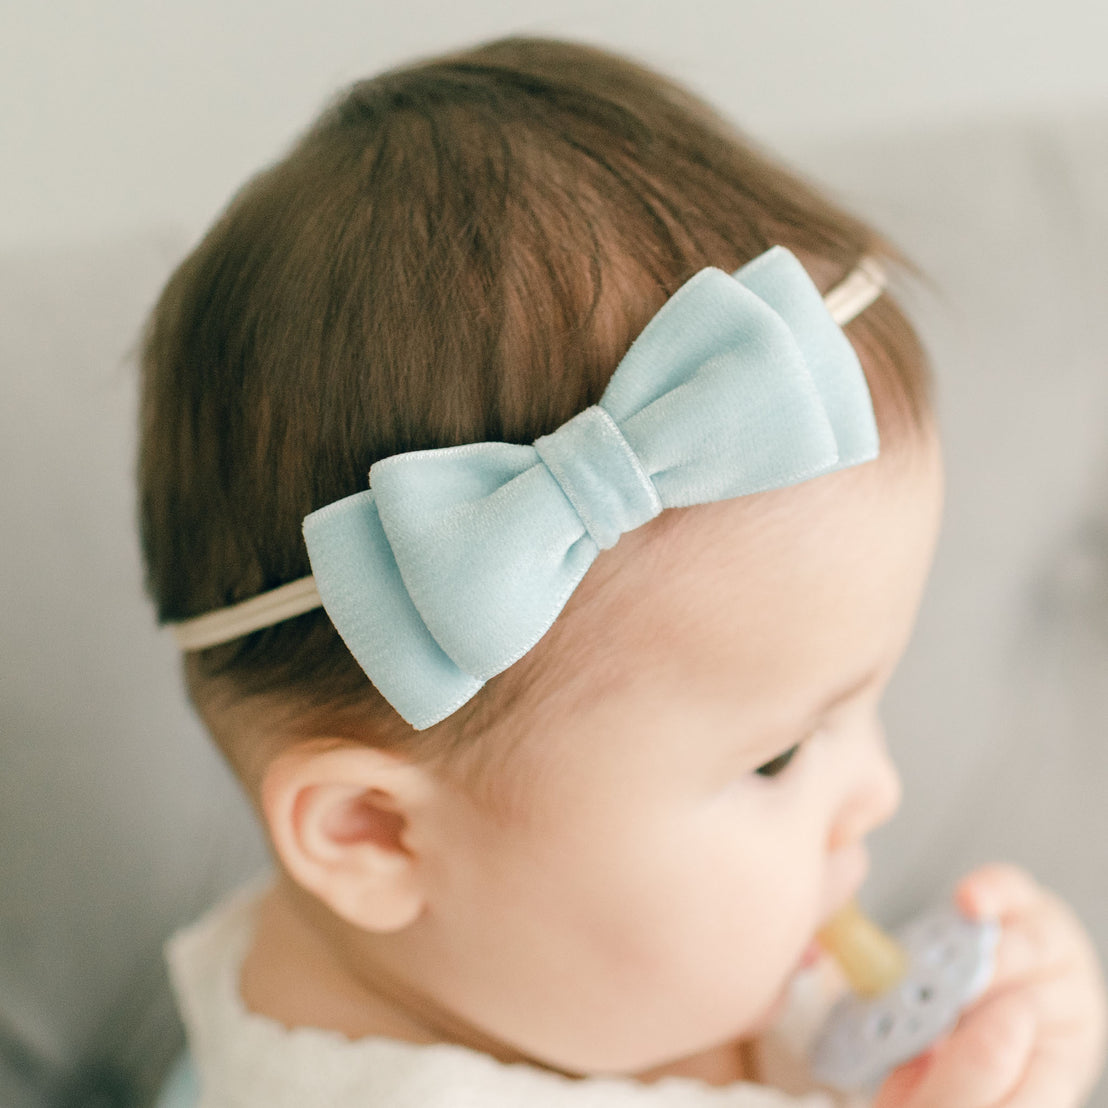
(874, 793)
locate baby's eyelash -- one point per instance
(780, 763)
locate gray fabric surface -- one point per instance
(999, 714)
(117, 822)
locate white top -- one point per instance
(244, 1060)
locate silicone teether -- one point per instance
(908, 992)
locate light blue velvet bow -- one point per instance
(455, 562)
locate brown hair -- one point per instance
(458, 250)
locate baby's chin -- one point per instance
(808, 964)
(770, 1016)
(723, 1064)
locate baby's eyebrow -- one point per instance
(843, 695)
(798, 731)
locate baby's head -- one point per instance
(614, 853)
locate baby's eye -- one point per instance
(778, 764)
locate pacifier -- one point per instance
(907, 990)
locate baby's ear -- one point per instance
(345, 822)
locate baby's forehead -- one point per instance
(788, 585)
(763, 534)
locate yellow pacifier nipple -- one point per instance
(871, 961)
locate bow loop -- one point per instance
(602, 478)
(457, 561)
(464, 523)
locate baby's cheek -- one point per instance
(720, 957)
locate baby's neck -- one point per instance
(292, 975)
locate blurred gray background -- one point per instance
(975, 135)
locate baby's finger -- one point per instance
(899, 1085)
(977, 1066)
(1065, 1013)
(997, 891)
(1051, 1082)
(1030, 945)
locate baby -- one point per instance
(583, 747)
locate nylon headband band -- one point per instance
(844, 303)
(264, 610)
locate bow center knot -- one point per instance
(600, 474)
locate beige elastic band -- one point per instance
(225, 624)
(857, 292)
(845, 301)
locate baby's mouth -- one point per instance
(852, 872)
(812, 954)
(852, 869)
(849, 870)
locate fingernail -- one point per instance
(968, 900)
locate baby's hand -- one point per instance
(1036, 1037)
